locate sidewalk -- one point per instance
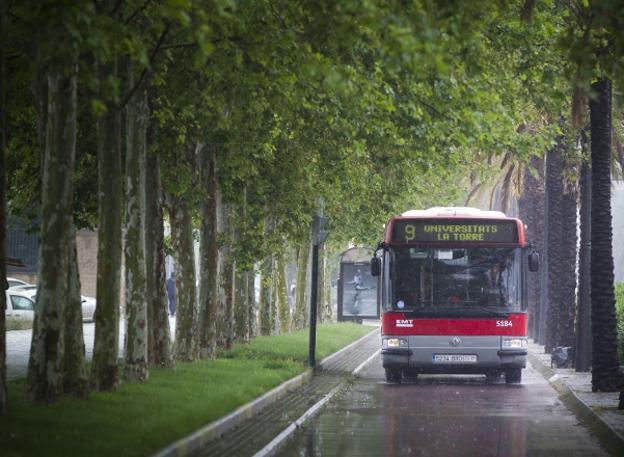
(598, 409)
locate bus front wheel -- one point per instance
(513, 375)
(393, 375)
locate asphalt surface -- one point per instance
(445, 416)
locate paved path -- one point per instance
(446, 416)
(18, 347)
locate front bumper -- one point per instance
(419, 355)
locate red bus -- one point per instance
(453, 293)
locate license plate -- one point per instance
(454, 358)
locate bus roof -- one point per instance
(454, 226)
(453, 211)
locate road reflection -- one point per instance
(446, 416)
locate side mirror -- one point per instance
(534, 261)
(375, 264)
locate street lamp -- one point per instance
(320, 231)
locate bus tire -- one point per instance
(513, 375)
(393, 375)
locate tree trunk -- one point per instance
(583, 327)
(3, 218)
(136, 338)
(45, 367)
(567, 279)
(186, 342)
(283, 310)
(274, 321)
(251, 303)
(208, 254)
(104, 371)
(554, 192)
(225, 269)
(241, 312)
(531, 206)
(159, 340)
(604, 331)
(300, 314)
(328, 308)
(75, 379)
(266, 295)
(228, 303)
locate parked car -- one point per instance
(19, 306)
(14, 282)
(24, 287)
(30, 291)
(88, 308)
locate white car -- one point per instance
(30, 291)
(88, 308)
(19, 306)
(14, 282)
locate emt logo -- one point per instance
(405, 322)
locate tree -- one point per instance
(186, 342)
(45, 368)
(3, 254)
(605, 376)
(299, 316)
(136, 340)
(561, 234)
(104, 370)
(567, 282)
(267, 296)
(75, 379)
(159, 347)
(208, 254)
(531, 208)
(281, 287)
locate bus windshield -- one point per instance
(466, 281)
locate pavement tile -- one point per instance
(603, 404)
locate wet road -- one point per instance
(445, 416)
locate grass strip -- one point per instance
(140, 419)
(18, 324)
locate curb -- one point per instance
(277, 442)
(337, 354)
(361, 366)
(274, 446)
(213, 430)
(610, 438)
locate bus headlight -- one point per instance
(394, 343)
(514, 342)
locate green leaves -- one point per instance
(374, 106)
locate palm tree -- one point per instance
(604, 333)
(531, 211)
(550, 215)
(3, 386)
(554, 192)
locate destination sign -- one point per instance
(454, 231)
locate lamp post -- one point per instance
(319, 235)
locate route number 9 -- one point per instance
(410, 232)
